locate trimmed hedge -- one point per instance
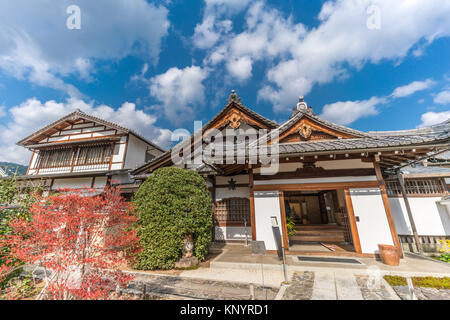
(172, 202)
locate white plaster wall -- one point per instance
(73, 183)
(344, 164)
(241, 178)
(267, 204)
(239, 192)
(119, 152)
(373, 226)
(233, 233)
(121, 178)
(430, 217)
(100, 182)
(136, 152)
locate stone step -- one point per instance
(318, 227)
(318, 232)
(319, 238)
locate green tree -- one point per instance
(172, 203)
(17, 203)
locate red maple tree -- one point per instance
(79, 239)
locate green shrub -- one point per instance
(172, 202)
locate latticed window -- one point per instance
(94, 155)
(434, 186)
(233, 210)
(55, 158)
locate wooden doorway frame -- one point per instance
(350, 212)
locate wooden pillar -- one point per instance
(352, 221)
(387, 208)
(283, 221)
(401, 181)
(252, 202)
(323, 208)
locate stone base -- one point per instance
(186, 262)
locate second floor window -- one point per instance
(94, 155)
(86, 155)
(55, 158)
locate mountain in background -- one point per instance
(11, 168)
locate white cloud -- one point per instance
(442, 97)
(299, 58)
(431, 118)
(240, 68)
(342, 39)
(32, 115)
(179, 91)
(36, 45)
(413, 87)
(215, 23)
(346, 112)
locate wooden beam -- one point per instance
(317, 186)
(317, 173)
(352, 221)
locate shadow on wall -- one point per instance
(444, 213)
(399, 218)
(232, 233)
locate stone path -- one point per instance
(335, 286)
(151, 287)
(423, 293)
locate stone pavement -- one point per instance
(423, 293)
(153, 286)
(336, 286)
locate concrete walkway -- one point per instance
(335, 286)
(240, 257)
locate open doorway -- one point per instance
(320, 221)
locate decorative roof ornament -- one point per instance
(234, 98)
(301, 105)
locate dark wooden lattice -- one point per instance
(232, 210)
(417, 187)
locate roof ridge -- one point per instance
(94, 119)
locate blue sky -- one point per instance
(156, 66)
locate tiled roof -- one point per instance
(365, 141)
(425, 171)
(381, 142)
(80, 114)
(233, 98)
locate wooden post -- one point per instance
(387, 208)
(352, 221)
(213, 196)
(283, 221)
(252, 202)
(408, 210)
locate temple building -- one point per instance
(332, 189)
(80, 150)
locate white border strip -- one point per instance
(314, 180)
